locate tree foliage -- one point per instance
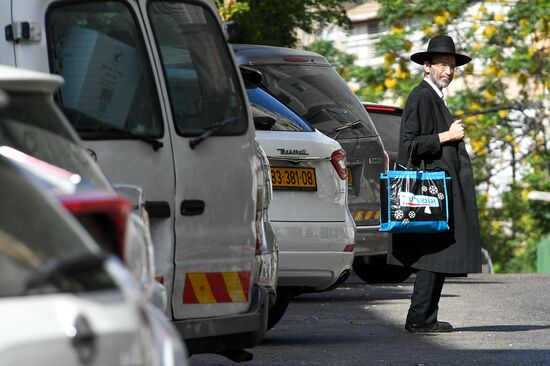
(342, 62)
(275, 22)
(503, 102)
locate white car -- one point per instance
(152, 89)
(62, 300)
(33, 124)
(309, 212)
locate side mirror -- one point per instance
(231, 31)
(251, 76)
(264, 123)
(4, 99)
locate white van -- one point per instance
(152, 89)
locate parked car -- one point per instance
(306, 83)
(33, 124)
(153, 91)
(309, 212)
(63, 300)
(387, 120)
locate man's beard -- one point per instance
(439, 83)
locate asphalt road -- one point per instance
(498, 320)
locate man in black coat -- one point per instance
(429, 133)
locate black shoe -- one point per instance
(437, 327)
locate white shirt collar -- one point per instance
(437, 90)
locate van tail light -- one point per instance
(386, 161)
(104, 216)
(338, 160)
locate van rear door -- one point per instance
(213, 146)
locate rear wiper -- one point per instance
(119, 132)
(210, 130)
(344, 127)
(65, 266)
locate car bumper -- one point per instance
(314, 255)
(226, 333)
(370, 241)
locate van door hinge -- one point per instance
(26, 31)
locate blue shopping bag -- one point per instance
(414, 201)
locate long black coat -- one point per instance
(457, 251)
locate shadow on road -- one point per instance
(502, 328)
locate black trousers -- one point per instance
(425, 297)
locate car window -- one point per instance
(28, 244)
(388, 126)
(109, 90)
(32, 124)
(263, 104)
(202, 82)
(320, 96)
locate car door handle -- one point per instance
(192, 207)
(158, 209)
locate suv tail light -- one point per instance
(104, 216)
(379, 108)
(338, 160)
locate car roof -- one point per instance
(13, 79)
(260, 54)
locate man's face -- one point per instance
(441, 70)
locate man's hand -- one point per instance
(455, 133)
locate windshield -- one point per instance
(109, 90)
(202, 81)
(34, 234)
(320, 96)
(32, 124)
(263, 104)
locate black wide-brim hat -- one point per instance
(440, 45)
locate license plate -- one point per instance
(288, 178)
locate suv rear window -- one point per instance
(387, 124)
(202, 81)
(109, 90)
(320, 96)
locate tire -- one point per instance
(377, 271)
(278, 309)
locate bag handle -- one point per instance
(422, 162)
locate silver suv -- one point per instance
(308, 85)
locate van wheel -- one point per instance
(278, 309)
(377, 271)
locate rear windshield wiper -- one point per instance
(210, 130)
(345, 126)
(64, 266)
(110, 132)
